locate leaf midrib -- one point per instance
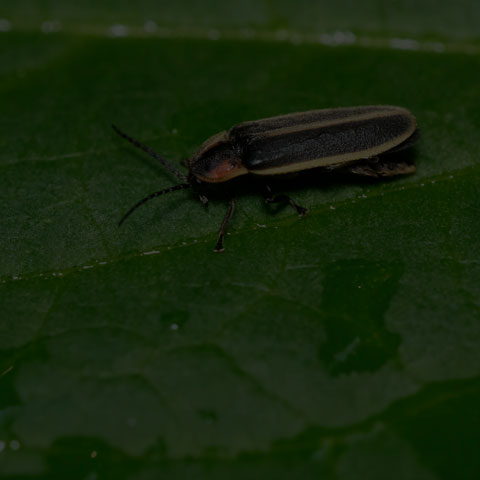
(209, 238)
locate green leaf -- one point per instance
(341, 345)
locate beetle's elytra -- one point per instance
(357, 138)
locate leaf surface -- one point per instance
(343, 344)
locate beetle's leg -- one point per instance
(271, 198)
(231, 208)
(203, 199)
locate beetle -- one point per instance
(353, 138)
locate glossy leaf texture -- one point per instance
(341, 345)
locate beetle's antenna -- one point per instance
(181, 186)
(152, 153)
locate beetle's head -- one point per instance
(215, 161)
